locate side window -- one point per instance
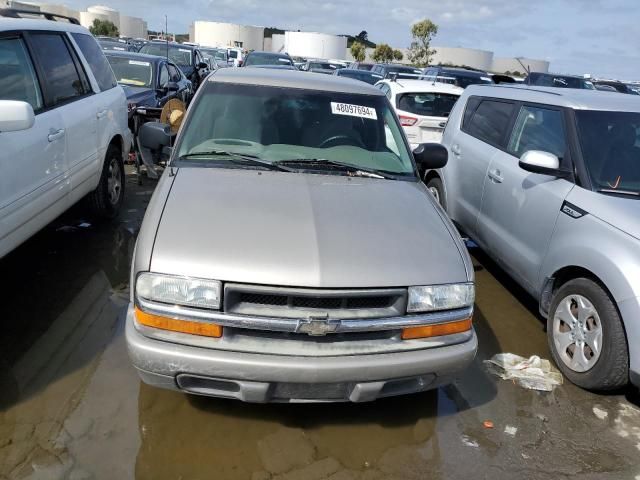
(17, 76)
(470, 109)
(391, 141)
(64, 80)
(385, 88)
(538, 129)
(490, 121)
(96, 60)
(164, 75)
(174, 73)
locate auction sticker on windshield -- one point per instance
(353, 110)
(141, 64)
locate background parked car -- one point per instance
(236, 56)
(363, 75)
(399, 71)
(189, 58)
(617, 86)
(267, 59)
(120, 45)
(63, 126)
(422, 107)
(220, 57)
(361, 66)
(547, 182)
(540, 79)
(319, 66)
(460, 77)
(605, 88)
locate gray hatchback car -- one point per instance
(290, 252)
(547, 181)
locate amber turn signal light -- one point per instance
(174, 325)
(437, 329)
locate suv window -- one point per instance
(385, 89)
(538, 129)
(17, 77)
(96, 60)
(174, 73)
(64, 80)
(489, 121)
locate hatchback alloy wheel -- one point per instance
(577, 333)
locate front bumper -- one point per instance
(255, 377)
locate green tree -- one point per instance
(363, 36)
(382, 53)
(422, 32)
(397, 55)
(104, 28)
(358, 51)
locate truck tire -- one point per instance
(106, 199)
(586, 336)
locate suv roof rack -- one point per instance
(18, 13)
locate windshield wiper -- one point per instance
(614, 191)
(238, 158)
(352, 170)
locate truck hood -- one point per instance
(620, 212)
(304, 230)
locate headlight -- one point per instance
(440, 297)
(191, 292)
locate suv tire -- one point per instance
(591, 314)
(436, 189)
(106, 199)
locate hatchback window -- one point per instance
(427, 104)
(96, 60)
(490, 121)
(64, 81)
(611, 149)
(277, 124)
(17, 77)
(538, 129)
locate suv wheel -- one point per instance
(106, 199)
(435, 188)
(586, 336)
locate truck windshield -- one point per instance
(278, 124)
(611, 149)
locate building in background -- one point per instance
(315, 45)
(217, 34)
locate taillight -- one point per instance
(407, 121)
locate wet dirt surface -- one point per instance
(72, 407)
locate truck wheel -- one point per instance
(586, 336)
(435, 188)
(106, 199)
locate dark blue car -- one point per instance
(190, 59)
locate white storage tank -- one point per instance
(468, 57)
(507, 64)
(133, 27)
(315, 45)
(217, 34)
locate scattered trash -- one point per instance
(509, 430)
(469, 442)
(487, 424)
(600, 413)
(533, 373)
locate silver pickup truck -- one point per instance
(291, 253)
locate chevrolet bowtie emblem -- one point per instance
(317, 325)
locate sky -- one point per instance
(577, 36)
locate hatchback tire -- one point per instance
(586, 336)
(436, 189)
(106, 199)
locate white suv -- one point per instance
(63, 125)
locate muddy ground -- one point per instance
(72, 407)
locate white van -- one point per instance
(63, 125)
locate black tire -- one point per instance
(611, 369)
(104, 203)
(436, 189)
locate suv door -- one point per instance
(33, 190)
(483, 128)
(68, 91)
(519, 209)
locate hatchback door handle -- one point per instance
(455, 148)
(55, 134)
(101, 113)
(495, 175)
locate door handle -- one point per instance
(55, 134)
(442, 124)
(495, 176)
(101, 113)
(455, 149)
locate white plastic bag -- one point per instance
(534, 373)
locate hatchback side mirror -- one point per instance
(429, 156)
(544, 163)
(15, 116)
